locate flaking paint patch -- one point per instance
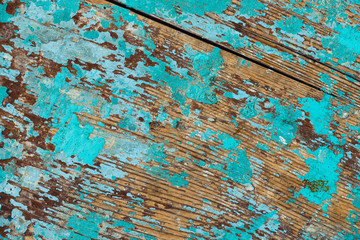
(323, 176)
(339, 46)
(63, 107)
(74, 139)
(320, 113)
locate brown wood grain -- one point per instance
(139, 194)
(306, 60)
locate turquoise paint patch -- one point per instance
(191, 7)
(202, 93)
(74, 139)
(4, 16)
(156, 153)
(329, 83)
(105, 23)
(251, 8)
(343, 47)
(239, 95)
(250, 109)
(110, 171)
(177, 84)
(291, 25)
(239, 231)
(8, 173)
(320, 181)
(85, 226)
(3, 94)
(207, 67)
(263, 147)
(18, 221)
(200, 88)
(236, 167)
(50, 231)
(353, 219)
(320, 113)
(91, 34)
(65, 10)
(179, 179)
(30, 177)
(284, 122)
(174, 178)
(11, 147)
(228, 142)
(176, 122)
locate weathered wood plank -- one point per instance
(315, 41)
(114, 126)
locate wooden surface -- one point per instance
(117, 126)
(315, 41)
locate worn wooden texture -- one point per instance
(114, 126)
(315, 41)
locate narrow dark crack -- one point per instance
(215, 44)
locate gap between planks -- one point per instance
(234, 52)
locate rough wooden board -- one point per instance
(315, 41)
(116, 126)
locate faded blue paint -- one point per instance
(3, 94)
(339, 44)
(320, 113)
(250, 111)
(321, 168)
(284, 123)
(85, 148)
(75, 140)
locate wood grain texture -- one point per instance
(315, 41)
(114, 126)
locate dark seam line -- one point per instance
(193, 35)
(306, 56)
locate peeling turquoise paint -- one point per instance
(3, 94)
(251, 8)
(320, 113)
(263, 147)
(89, 226)
(284, 123)
(75, 140)
(192, 6)
(239, 95)
(11, 148)
(206, 66)
(250, 111)
(79, 148)
(237, 167)
(322, 177)
(291, 25)
(337, 45)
